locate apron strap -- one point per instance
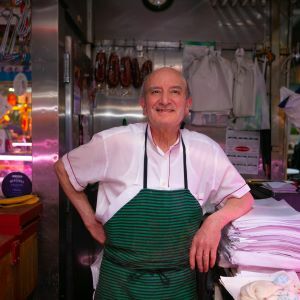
(184, 165)
(146, 162)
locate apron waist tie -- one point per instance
(139, 272)
(161, 273)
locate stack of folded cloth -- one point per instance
(280, 187)
(265, 237)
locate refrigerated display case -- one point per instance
(15, 128)
(15, 88)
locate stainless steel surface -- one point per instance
(69, 97)
(45, 135)
(90, 31)
(78, 247)
(77, 12)
(113, 111)
(67, 68)
(184, 20)
(55, 131)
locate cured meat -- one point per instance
(125, 71)
(113, 72)
(136, 74)
(100, 68)
(146, 69)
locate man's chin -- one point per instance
(167, 125)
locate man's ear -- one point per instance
(188, 105)
(143, 105)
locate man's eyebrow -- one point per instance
(153, 87)
(177, 87)
(171, 87)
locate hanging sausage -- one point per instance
(136, 74)
(100, 67)
(125, 71)
(113, 72)
(146, 68)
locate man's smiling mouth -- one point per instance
(164, 110)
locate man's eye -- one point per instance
(155, 91)
(177, 92)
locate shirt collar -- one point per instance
(175, 145)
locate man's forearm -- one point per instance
(233, 209)
(203, 250)
(78, 199)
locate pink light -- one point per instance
(15, 144)
(16, 157)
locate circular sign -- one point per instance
(16, 184)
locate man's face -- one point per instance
(164, 101)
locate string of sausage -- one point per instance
(100, 67)
(146, 69)
(136, 74)
(125, 71)
(113, 72)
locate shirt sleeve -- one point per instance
(226, 182)
(86, 164)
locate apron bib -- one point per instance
(146, 254)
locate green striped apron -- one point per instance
(146, 254)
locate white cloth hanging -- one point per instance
(210, 79)
(244, 86)
(261, 119)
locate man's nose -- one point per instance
(164, 98)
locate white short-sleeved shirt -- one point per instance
(115, 159)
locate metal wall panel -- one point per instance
(45, 139)
(184, 20)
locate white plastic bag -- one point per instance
(290, 102)
(210, 79)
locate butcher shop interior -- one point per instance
(73, 68)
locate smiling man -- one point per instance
(166, 103)
(155, 183)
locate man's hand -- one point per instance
(205, 243)
(81, 204)
(97, 231)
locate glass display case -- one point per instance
(15, 121)
(15, 88)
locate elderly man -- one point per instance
(154, 180)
